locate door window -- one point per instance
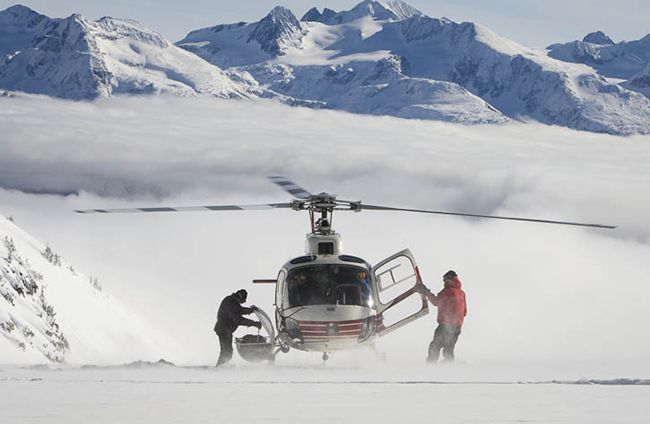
(280, 291)
(398, 283)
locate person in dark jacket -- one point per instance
(230, 316)
(452, 310)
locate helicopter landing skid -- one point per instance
(281, 348)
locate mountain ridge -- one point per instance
(390, 9)
(615, 60)
(78, 58)
(379, 57)
(510, 80)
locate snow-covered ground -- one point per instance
(545, 303)
(164, 394)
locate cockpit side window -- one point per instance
(329, 284)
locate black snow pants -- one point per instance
(225, 342)
(445, 338)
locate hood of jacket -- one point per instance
(454, 283)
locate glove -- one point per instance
(258, 325)
(254, 308)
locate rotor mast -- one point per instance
(321, 209)
(322, 240)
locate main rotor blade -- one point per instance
(291, 187)
(213, 208)
(509, 218)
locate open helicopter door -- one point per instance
(399, 291)
(257, 347)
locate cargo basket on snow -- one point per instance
(257, 347)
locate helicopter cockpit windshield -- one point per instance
(329, 284)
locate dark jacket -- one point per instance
(451, 304)
(231, 315)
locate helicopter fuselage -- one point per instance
(325, 303)
(330, 302)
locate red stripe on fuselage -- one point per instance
(350, 328)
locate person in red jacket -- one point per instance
(451, 313)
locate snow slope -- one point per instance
(378, 88)
(51, 312)
(78, 58)
(439, 69)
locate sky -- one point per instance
(535, 23)
(541, 287)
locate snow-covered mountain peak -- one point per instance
(254, 42)
(598, 37)
(18, 25)
(19, 12)
(622, 60)
(79, 58)
(399, 8)
(277, 31)
(281, 14)
(393, 10)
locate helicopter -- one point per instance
(327, 300)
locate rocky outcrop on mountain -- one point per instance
(78, 58)
(277, 31)
(640, 82)
(598, 37)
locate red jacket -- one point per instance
(451, 304)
